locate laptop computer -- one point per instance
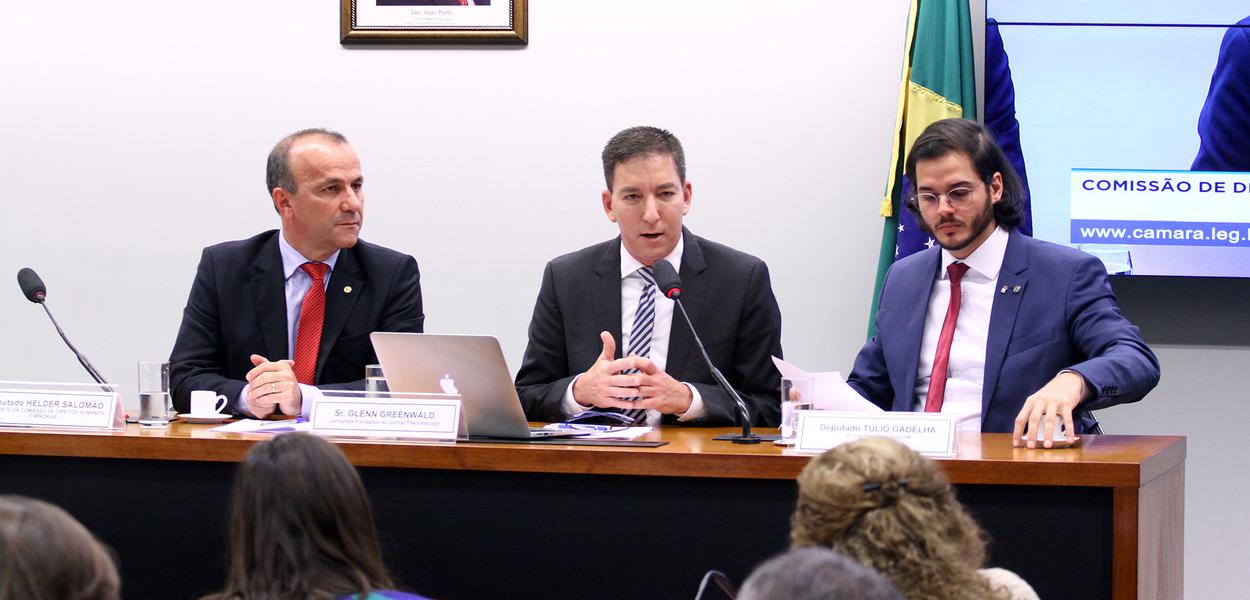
(470, 365)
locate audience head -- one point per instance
(301, 525)
(316, 185)
(881, 503)
(647, 194)
(816, 574)
(47, 555)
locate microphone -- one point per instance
(669, 283)
(35, 291)
(32, 286)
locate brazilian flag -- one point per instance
(938, 83)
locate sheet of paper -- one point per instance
(601, 432)
(830, 389)
(258, 426)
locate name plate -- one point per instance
(62, 405)
(926, 433)
(382, 414)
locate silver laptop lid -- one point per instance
(470, 365)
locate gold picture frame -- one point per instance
(433, 22)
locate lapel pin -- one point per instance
(1016, 290)
(347, 289)
(1003, 291)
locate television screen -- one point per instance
(1135, 128)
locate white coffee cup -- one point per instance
(205, 402)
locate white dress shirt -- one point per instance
(297, 284)
(631, 294)
(965, 371)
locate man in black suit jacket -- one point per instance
(590, 299)
(238, 334)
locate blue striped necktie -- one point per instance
(640, 333)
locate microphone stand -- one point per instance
(81, 358)
(746, 437)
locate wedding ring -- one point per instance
(273, 388)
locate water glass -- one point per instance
(375, 380)
(154, 401)
(796, 395)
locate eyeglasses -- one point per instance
(957, 197)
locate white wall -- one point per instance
(134, 134)
(134, 140)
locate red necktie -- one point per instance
(937, 377)
(311, 314)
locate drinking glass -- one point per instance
(375, 380)
(154, 401)
(796, 395)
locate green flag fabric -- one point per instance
(938, 82)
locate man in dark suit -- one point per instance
(272, 318)
(1024, 331)
(593, 297)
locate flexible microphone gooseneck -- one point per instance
(669, 283)
(35, 291)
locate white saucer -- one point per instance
(209, 418)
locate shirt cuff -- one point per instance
(309, 395)
(570, 406)
(697, 409)
(1087, 391)
(241, 406)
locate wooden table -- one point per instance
(473, 520)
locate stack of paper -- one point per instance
(830, 390)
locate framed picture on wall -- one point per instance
(433, 22)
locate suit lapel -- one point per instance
(694, 285)
(267, 286)
(346, 285)
(1010, 290)
(605, 296)
(920, 288)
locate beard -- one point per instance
(981, 222)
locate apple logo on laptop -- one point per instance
(448, 384)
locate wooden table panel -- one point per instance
(1128, 488)
(1101, 461)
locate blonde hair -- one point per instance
(46, 554)
(886, 506)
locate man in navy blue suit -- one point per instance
(991, 320)
(1225, 115)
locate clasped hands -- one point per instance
(605, 385)
(272, 386)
